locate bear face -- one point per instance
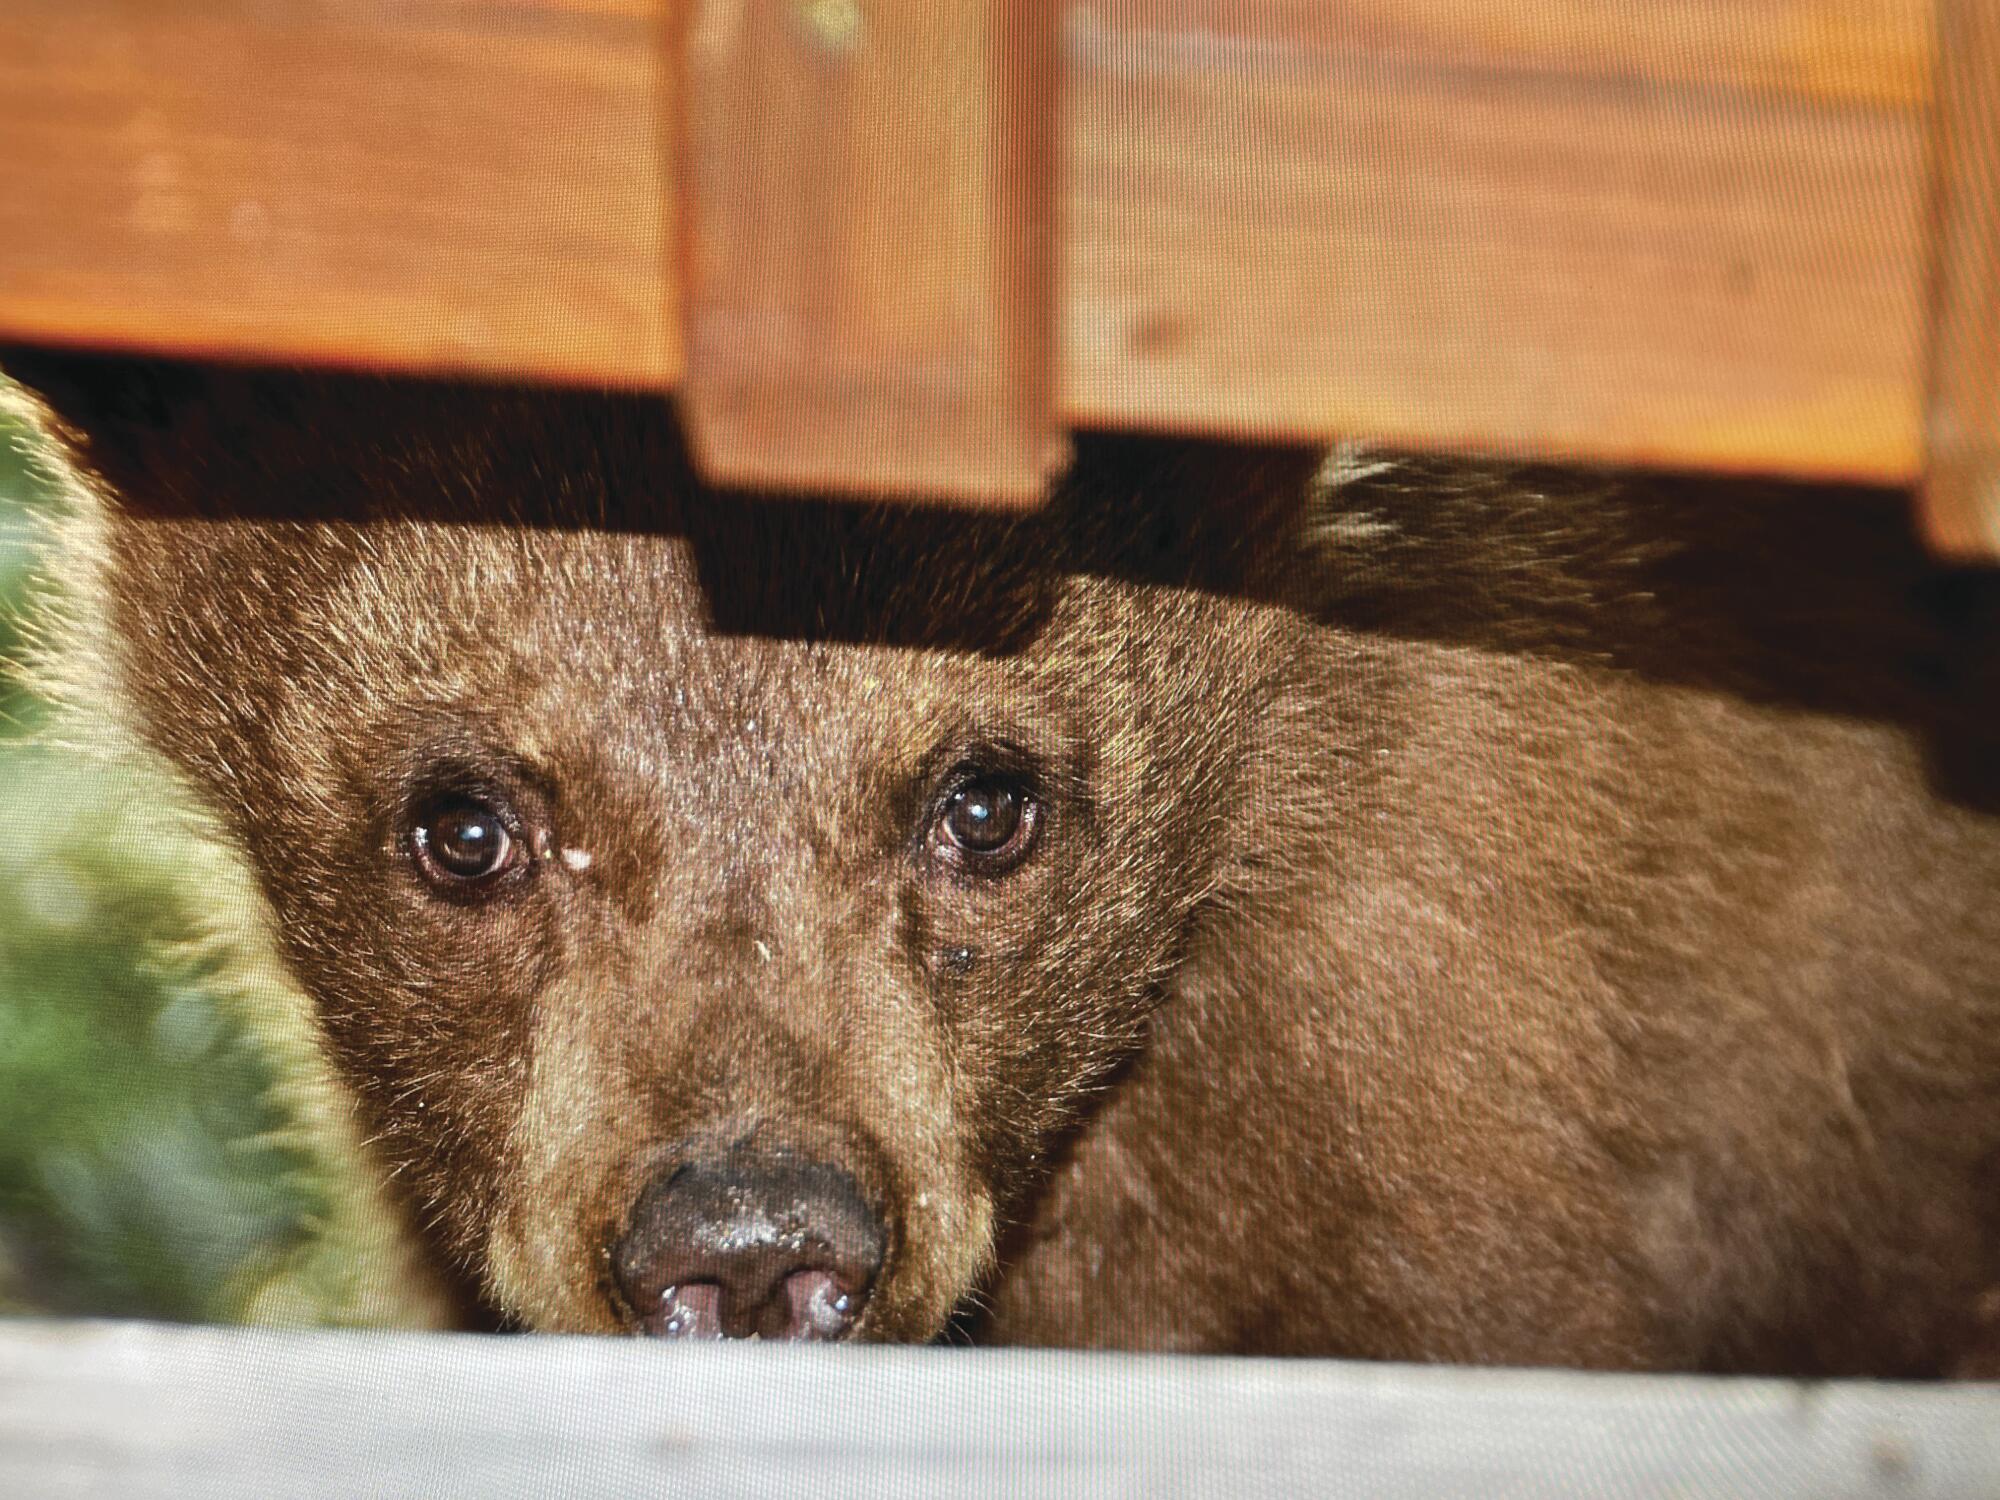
(598, 874)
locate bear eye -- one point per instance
(987, 824)
(461, 842)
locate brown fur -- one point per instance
(1482, 915)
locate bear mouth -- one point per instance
(811, 1305)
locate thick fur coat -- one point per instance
(1471, 913)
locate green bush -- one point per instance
(146, 1168)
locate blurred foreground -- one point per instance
(140, 1169)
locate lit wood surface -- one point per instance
(1612, 240)
(868, 207)
(443, 185)
(107, 1410)
(1962, 488)
(1688, 233)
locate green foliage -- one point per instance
(21, 494)
(143, 1163)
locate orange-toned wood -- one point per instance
(869, 190)
(1961, 505)
(464, 185)
(1690, 232)
(1645, 239)
(1830, 51)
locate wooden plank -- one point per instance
(1282, 224)
(445, 185)
(1961, 504)
(868, 245)
(1688, 233)
(1852, 51)
(113, 1410)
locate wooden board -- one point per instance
(115, 1410)
(1611, 238)
(1688, 234)
(1961, 507)
(868, 245)
(472, 186)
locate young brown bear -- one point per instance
(1408, 910)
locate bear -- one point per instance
(1265, 900)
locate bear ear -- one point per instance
(123, 417)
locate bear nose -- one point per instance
(753, 1245)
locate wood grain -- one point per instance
(1287, 225)
(1826, 51)
(868, 245)
(471, 186)
(1689, 234)
(112, 1410)
(1961, 494)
